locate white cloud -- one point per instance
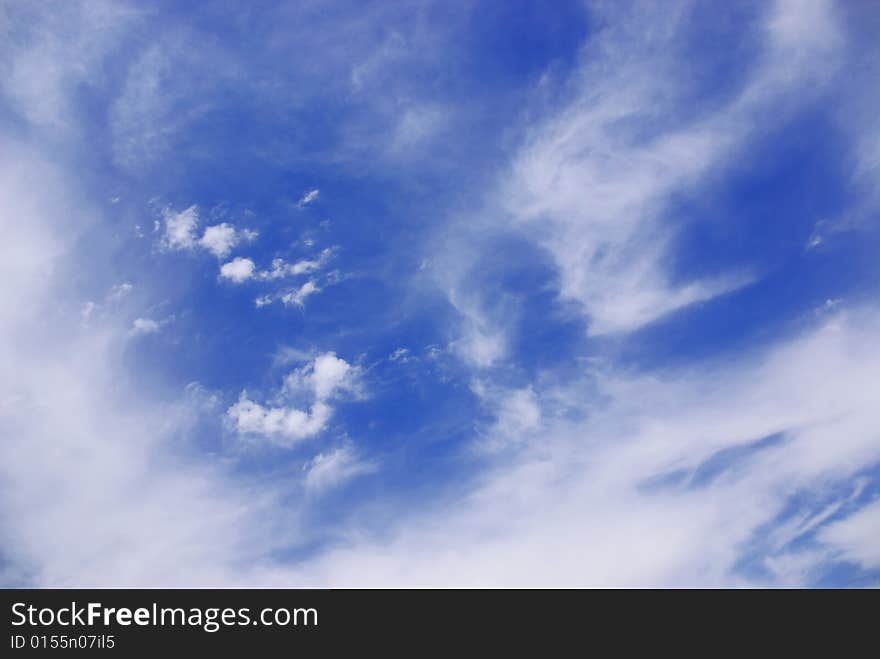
(333, 468)
(309, 197)
(857, 537)
(326, 374)
(180, 227)
(518, 413)
(305, 266)
(572, 507)
(281, 268)
(622, 494)
(322, 377)
(145, 326)
(289, 423)
(53, 54)
(482, 343)
(594, 182)
(219, 239)
(298, 296)
(318, 382)
(181, 233)
(78, 431)
(238, 270)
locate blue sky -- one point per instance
(428, 293)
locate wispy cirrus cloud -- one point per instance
(595, 183)
(743, 465)
(674, 459)
(854, 538)
(332, 469)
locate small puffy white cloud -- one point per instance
(309, 197)
(237, 270)
(317, 381)
(289, 423)
(262, 301)
(331, 469)
(180, 228)
(322, 377)
(182, 233)
(298, 297)
(219, 239)
(328, 373)
(145, 326)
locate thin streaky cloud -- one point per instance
(465, 297)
